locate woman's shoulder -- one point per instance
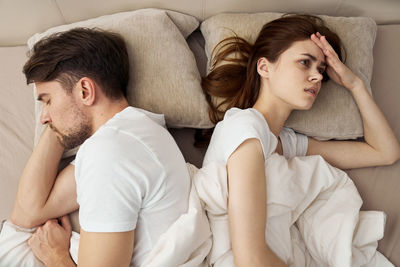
(237, 126)
(236, 117)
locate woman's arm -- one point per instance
(380, 147)
(247, 206)
(42, 194)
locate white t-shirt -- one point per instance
(239, 125)
(131, 175)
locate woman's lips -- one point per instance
(312, 91)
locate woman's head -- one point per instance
(239, 83)
(278, 35)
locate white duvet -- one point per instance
(186, 243)
(313, 220)
(313, 216)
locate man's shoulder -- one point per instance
(112, 144)
(134, 119)
(132, 135)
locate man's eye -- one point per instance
(48, 102)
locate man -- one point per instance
(129, 179)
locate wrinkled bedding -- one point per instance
(313, 219)
(186, 243)
(313, 215)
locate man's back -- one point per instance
(130, 175)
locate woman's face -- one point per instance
(295, 78)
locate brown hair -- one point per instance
(68, 56)
(238, 82)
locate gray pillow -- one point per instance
(164, 75)
(334, 114)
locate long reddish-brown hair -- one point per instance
(237, 82)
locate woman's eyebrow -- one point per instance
(313, 58)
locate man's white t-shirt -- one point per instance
(239, 125)
(131, 175)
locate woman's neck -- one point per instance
(274, 113)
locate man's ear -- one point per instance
(263, 67)
(87, 91)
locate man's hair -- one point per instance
(69, 56)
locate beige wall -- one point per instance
(19, 19)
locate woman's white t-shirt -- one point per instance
(239, 125)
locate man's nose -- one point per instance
(44, 116)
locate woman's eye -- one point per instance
(305, 62)
(48, 102)
(321, 70)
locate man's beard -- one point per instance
(74, 139)
(77, 135)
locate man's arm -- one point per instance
(41, 194)
(50, 244)
(105, 249)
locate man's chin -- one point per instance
(59, 138)
(69, 142)
(61, 141)
(74, 139)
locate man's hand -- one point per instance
(50, 243)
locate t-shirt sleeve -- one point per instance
(301, 144)
(293, 144)
(242, 126)
(111, 184)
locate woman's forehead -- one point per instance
(303, 47)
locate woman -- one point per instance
(281, 72)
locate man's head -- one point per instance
(71, 69)
(68, 56)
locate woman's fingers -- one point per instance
(330, 54)
(317, 41)
(327, 46)
(334, 61)
(322, 43)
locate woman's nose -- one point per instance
(316, 76)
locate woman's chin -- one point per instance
(306, 106)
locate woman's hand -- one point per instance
(381, 146)
(336, 70)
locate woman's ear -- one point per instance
(87, 91)
(263, 67)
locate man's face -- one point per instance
(61, 112)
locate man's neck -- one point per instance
(106, 111)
